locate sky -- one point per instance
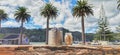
(64, 18)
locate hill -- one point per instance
(36, 35)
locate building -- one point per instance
(14, 39)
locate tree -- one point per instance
(97, 36)
(102, 24)
(3, 16)
(118, 32)
(103, 27)
(49, 12)
(118, 7)
(21, 15)
(103, 32)
(118, 28)
(109, 35)
(82, 9)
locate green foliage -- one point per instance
(118, 32)
(103, 32)
(3, 15)
(36, 34)
(39, 35)
(89, 36)
(109, 36)
(49, 11)
(82, 9)
(97, 36)
(21, 14)
(118, 7)
(118, 28)
(117, 36)
(1, 36)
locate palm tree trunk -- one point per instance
(21, 32)
(0, 24)
(83, 30)
(47, 30)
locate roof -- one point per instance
(11, 37)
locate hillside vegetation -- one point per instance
(36, 35)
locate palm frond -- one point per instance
(49, 11)
(3, 15)
(82, 9)
(22, 14)
(118, 7)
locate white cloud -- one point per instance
(114, 22)
(10, 24)
(64, 8)
(58, 25)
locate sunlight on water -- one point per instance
(37, 43)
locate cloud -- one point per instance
(64, 18)
(10, 24)
(111, 12)
(114, 22)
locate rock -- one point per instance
(31, 48)
(42, 50)
(60, 51)
(79, 53)
(71, 53)
(61, 54)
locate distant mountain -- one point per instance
(9, 30)
(39, 34)
(76, 35)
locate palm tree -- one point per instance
(49, 12)
(82, 9)
(21, 15)
(3, 16)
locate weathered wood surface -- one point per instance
(59, 50)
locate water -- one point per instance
(37, 43)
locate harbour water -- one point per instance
(37, 43)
